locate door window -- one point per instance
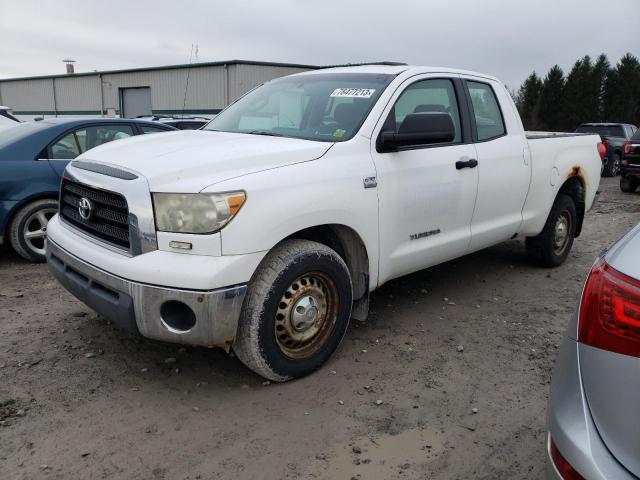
(486, 110)
(83, 139)
(436, 95)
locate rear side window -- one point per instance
(486, 111)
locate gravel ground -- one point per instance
(448, 379)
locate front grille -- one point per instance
(109, 215)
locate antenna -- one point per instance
(186, 87)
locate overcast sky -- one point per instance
(506, 38)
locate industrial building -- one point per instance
(201, 89)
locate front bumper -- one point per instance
(571, 426)
(137, 306)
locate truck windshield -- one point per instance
(602, 130)
(329, 107)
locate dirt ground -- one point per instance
(80, 400)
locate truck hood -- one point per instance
(189, 161)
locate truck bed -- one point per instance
(538, 135)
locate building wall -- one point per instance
(210, 89)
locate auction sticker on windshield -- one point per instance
(353, 92)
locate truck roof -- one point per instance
(395, 70)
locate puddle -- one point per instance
(381, 457)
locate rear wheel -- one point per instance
(628, 185)
(552, 246)
(613, 166)
(296, 311)
(28, 230)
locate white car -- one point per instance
(266, 231)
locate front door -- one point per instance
(426, 202)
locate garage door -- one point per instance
(135, 102)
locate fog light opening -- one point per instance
(177, 316)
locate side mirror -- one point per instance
(425, 128)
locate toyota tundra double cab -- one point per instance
(266, 231)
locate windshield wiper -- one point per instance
(264, 132)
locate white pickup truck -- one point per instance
(266, 231)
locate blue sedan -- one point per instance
(33, 156)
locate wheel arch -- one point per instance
(21, 203)
(574, 187)
(350, 246)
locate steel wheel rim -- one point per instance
(34, 231)
(616, 165)
(306, 315)
(562, 232)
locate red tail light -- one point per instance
(567, 472)
(610, 311)
(602, 150)
(627, 147)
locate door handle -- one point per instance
(471, 163)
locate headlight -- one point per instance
(195, 212)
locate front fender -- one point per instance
(283, 201)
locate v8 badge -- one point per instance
(370, 182)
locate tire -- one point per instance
(28, 229)
(628, 185)
(268, 340)
(612, 168)
(552, 246)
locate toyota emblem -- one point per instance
(85, 207)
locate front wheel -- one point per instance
(551, 247)
(28, 230)
(296, 311)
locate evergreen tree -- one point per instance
(575, 102)
(528, 101)
(592, 92)
(601, 71)
(551, 99)
(622, 96)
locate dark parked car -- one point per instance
(630, 164)
(614, 136)
(33, 156)
(181, 123)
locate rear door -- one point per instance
(503, 164)
(426, 202)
